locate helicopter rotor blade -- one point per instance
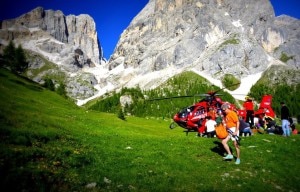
(218, 94)
(196, 95)
(207, 94)
(202, 95)
(174, 97)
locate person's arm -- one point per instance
(237, 127)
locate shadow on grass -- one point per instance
(219, 149)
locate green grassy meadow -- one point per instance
(50, 144)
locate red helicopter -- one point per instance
(192, 118)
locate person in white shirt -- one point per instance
(210, 127)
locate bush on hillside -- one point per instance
(284, 57)
(61, 89)
(49, 84)
(230, 82)
(121, 114)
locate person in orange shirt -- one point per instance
(249, 107)
(231, 122)
(212, 113)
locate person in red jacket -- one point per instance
(249, 107)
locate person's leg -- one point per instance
(213, 134)
(241, 133)
(208, 134)
(247, 117)
(285, 127)
(226, 147)
(247, 131)
(237, 148)
(238, 151)
(251, 119)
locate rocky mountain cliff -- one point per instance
(70, 42)
(210, 37)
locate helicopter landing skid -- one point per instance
(173, 125)
(190, 130)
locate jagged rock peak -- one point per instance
(77, 31)
(48, 20)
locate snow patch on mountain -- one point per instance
(245, 86)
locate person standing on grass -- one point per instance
(249, 107)
(231, 122)
(285, 114)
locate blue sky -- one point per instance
(111, 16)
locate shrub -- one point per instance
(284, 57)
(121, 114)
(230, 82)
(49, 84)
(61, 89)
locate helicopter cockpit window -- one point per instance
(184, 112)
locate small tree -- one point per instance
(230, 82)
(61, 89)
(49, 84)
(20, 60)
(14, 58)
(8, 54)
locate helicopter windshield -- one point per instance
(184, 112)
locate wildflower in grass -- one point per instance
(76, 152)
(91, 185)
(106, 180)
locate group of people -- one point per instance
(266, 123)
(238, 125)
(212, 121)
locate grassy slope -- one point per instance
(48, 143)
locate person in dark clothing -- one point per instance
(249, 107)
(244, 127)
(285, 114)
(271, 126)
